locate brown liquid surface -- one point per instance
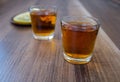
(78, 39)
(43, 22)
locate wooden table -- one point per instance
(24, 59)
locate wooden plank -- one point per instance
(108, 13)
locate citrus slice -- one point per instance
(22, 19)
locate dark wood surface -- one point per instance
(108, 12)
(24, 59)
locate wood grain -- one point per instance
(24, 59)
(108, 13)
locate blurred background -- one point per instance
(107, 11)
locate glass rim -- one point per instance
(42, 6)
(90, 17)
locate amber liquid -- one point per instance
(43, 22)
(78, 39)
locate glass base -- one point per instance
(43, 37)
(77, 60)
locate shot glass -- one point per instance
(43, 20)
(78, 38)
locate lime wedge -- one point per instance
(23, 18)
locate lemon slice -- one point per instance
(22, 19)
